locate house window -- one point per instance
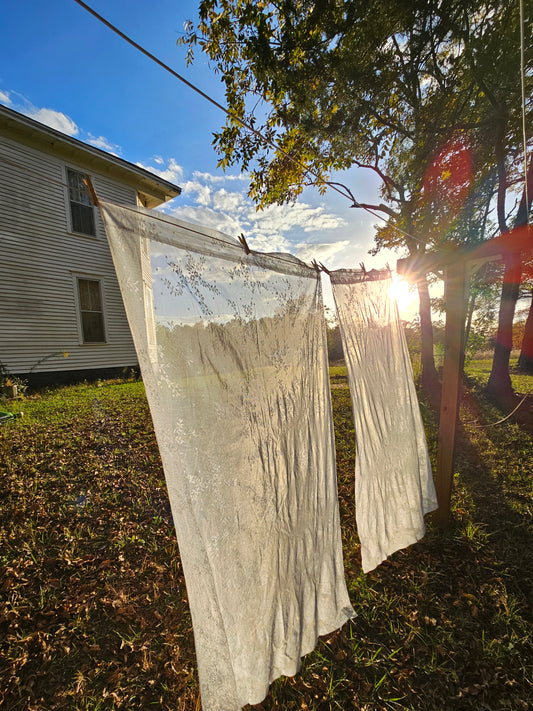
(81, 207)
(91, 310)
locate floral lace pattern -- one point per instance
(232, 350)
(393, 481)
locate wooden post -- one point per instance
(455, 279)
(518, 241)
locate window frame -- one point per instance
(76, 277)
(69, 202)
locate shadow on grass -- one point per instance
(93, 607)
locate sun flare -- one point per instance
(401, 293)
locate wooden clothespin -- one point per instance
(325, 269)
(90, 189)
(316, 266)
(363, 269)
(242, 240)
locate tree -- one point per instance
(482, 309)
(499, 383)
(401, 88)
(525, 360)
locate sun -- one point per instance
(400, 291)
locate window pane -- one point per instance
(85, 301)
(90, 298)
(93, 327)
(91, 311)
(94, 296)
(78, 189)
(82, 218)
(81, 207)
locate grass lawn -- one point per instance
(93, 605)
(480, 371)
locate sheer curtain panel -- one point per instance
(393, 480)
(232, 351)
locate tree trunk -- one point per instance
(428, 379)
(500, 381)
(468, 326)
(525, 362)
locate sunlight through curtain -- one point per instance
(393, 480)
(232, 350)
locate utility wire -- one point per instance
(231, 115)
(523, 84)
(347, 193)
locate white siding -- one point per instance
(38, 258)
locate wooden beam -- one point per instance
(455, 299)
(519, 240)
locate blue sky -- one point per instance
(61, 66)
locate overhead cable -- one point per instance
(220, 106)
(523, 84)
(347, 193)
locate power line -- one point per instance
(192, 86)
(523, 85)
(348, 194)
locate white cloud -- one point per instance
(291, 221)
(322, 252)
(229, 201)
(173, 172)
(210, 178)
(273, 242)
(220, 202)
(54, 119)
(205, 216)
(103, 143)
(199, 192)
(5, 98)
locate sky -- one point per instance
(61, 66)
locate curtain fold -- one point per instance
(393, 479)
(232, 350)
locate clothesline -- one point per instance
(346, 192)
(318, 266)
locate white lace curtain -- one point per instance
(232, 350)
(393, 482)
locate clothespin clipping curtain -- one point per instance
(90, 189)
(242, 240)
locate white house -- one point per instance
(61, 312)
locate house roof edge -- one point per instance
(35, 131)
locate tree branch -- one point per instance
(385, 178)
(499, 150)
(379, 208)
